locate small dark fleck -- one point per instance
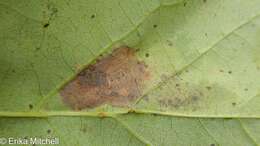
(26, 137)
(131, 111)
(37, 49)
(169, 43)
(208, 87)
(206, 34)
(177, 85)
(138, 34)
(146, 54)
(154, 114)
(227, 119)
(187, 71)
(234, 104)
(184, 4)
(212, 144)
(84, 130)
(13, 71)
(230, 72)
(49, 131)
(194, 98)
(154, 26)
(221, 70)
(93, 16)
(54, 10)
(30, 106)
(46, 25)
(34, 145)
(204, 1)
(246, 89)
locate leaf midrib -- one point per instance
(46, 114)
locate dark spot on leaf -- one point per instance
(234, 104)
(221, 70)
(84, 130)
(194, 98)
(212, 144)
(30, 106)
(177, 85)
(228, 119)
(204, 1)
(131, 111)
(154, 26)
(49, 131)
(93, 16)
(230, 72)
(46, 25)
(37, 48)
(115, 79)
(137, 50)
(138, 35)
(246, 89)
(169, 43)
(13, 71)
(155, 114)
(208, 87)
(184, 4)
(146, 54)
(206, 34)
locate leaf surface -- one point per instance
(203, 57)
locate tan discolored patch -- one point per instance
(116, 79)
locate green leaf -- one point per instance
(203, 57)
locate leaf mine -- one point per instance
(116, 79)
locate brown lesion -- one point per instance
(116, 79)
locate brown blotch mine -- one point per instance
(116, 79)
